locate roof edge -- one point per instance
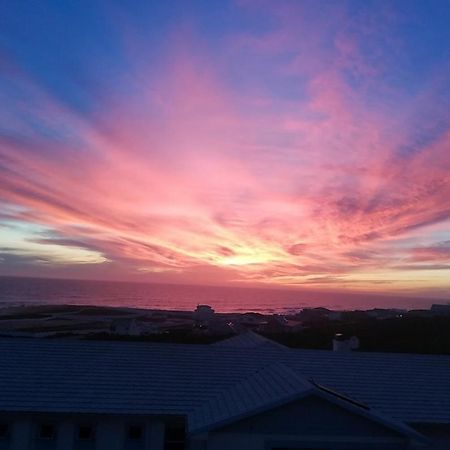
(335, 398)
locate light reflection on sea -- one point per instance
(22, 291)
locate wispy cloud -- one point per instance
(290, 157)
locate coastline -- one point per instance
(381, 330)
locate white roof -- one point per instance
(249, 339)
(120, 377)
(269, 388)
(271, 385)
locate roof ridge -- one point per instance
(247, 339)
(261, 393)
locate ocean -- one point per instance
(34, 291)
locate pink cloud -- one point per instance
(195, 178)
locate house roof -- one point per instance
(408, 387)
(268, 387)
(149, 378)
(274, 386)
(249, 339)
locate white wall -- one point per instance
(110, 432)
(311, 422)
(231, 441)
(223, 441)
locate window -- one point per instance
(46, 431)
(134, 436)
(4, 431)
(135, 432)
(175, 437)
(86, 433)
(5, 434)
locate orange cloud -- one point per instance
(197, 178)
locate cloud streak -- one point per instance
(320, 170)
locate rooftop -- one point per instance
(149, 378)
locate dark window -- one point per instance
(46, 431)
(86, 432)
(135, 432)
(4, 431)
(175, 438)
(174, 446)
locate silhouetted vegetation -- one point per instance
(406, 334)
(175, 337)
(430, 335)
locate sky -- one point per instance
(298, 143)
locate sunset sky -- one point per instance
(297, 143)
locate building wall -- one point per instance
(110, 432)
(311, 416)
(308, 423)
(439, 435)
(231, 441)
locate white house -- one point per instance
(245, 393)
(133, 327)
(203, 313)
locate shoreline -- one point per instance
(125, 320)
(379, 330)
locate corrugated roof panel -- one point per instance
(147, 378)
(263, 389)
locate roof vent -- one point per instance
(342, 343)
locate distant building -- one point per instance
(281, 324)
(383, 313)
(249, 321)
(294, 326)
(342, 343)
(441, 309)
(274, 324)
(132, 327)
(203, 313)
(246, 393)
(218, 327)
(314, 315)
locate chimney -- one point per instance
(342, 343)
